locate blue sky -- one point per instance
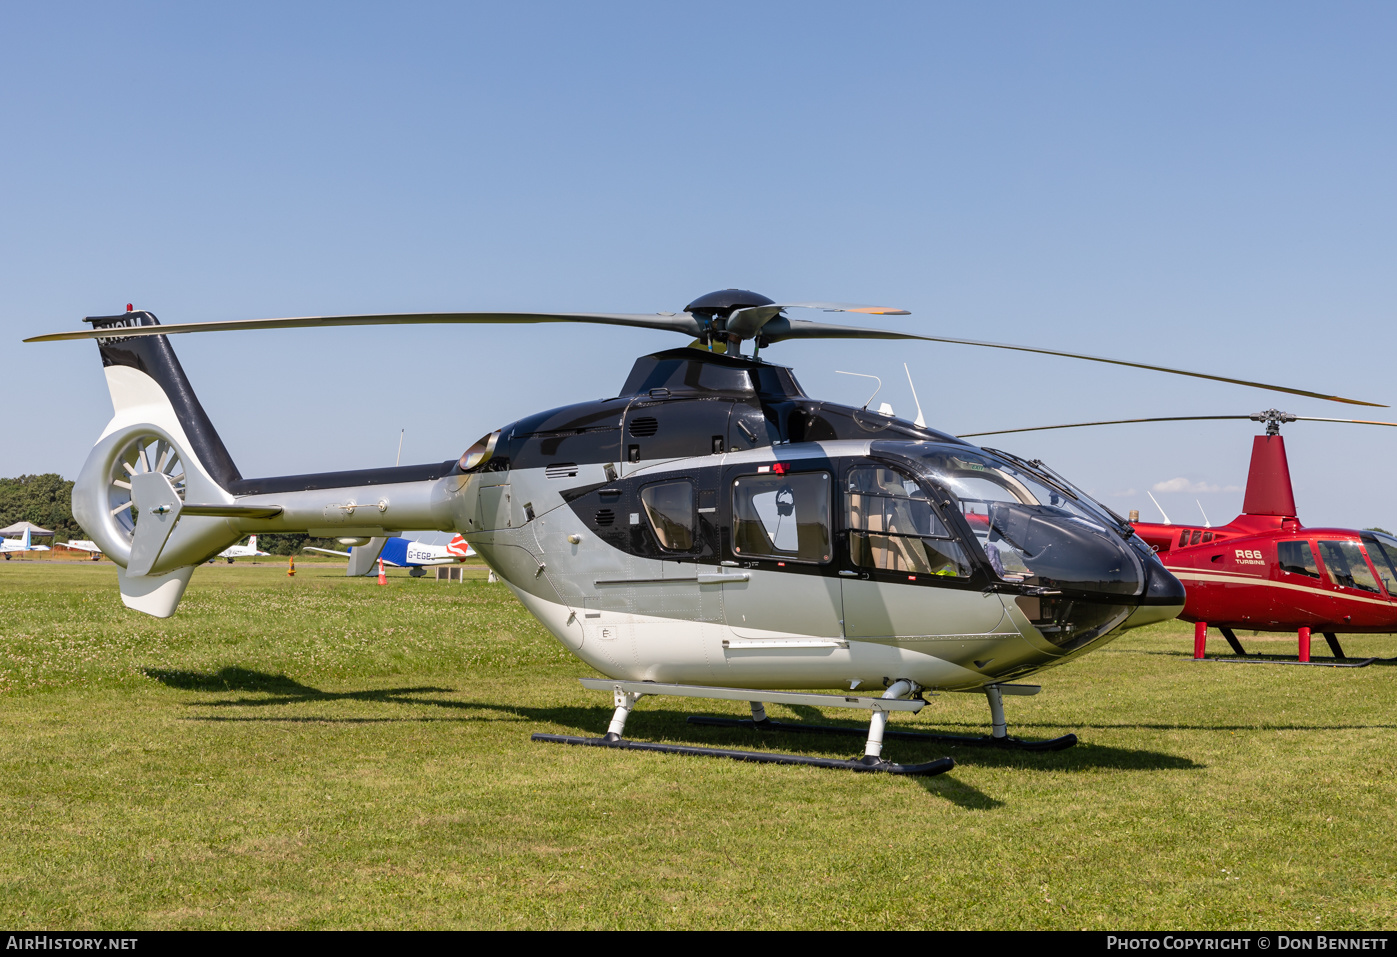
(1203, 185)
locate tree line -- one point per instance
(46, 500)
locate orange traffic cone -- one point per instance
(291, 567)
(382, 578)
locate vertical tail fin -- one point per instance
(1268, 482)
(133, 366)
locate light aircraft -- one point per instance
(711, 531)
(240, 551)
(1264, 570)
(24, 543)
(83, 545)
(400, 553)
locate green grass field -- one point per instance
(319, 752)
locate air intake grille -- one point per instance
(605, 516)
(643, 426)
(561, 470)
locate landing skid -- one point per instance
(896, 698)
(939, 766)
(1340, 660)
(1006, 743)
(1362, 663)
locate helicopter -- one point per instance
(1274, 574)
(711, 531)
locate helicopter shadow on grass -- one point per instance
(655, 723)
(671, 726)
(651, 723)
(283, 690)
(1083, 756)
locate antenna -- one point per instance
(1206, 523)
(921, 420)
(864, 375)
(399, 460)
(1158, 506)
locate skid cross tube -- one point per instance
(625, 694)
(741, 694)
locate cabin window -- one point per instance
(1197, 537)
(670, 508)
(782, 516)
(1347, 566)
(1297, 558)
(1183, 538)
(1207, 537)
(892, 527)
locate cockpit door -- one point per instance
(784, 584)
(1352, 579)
(904, 573)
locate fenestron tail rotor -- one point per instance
(141, 454)
(1273, 418)
(726, 317)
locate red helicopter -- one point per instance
(1264, 570)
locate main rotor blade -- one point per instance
(776, 329)
(681, 322)
(782, 328)
(1082, 425)
(1170, 418)
(1311, 418)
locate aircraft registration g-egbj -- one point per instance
(400, 553)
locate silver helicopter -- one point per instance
(711, 531)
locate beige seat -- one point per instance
(886, 515)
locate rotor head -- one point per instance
(1273, 419)
(714, 310)
(724, 301)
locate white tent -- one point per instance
(19, 528)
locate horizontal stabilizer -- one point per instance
(234, 511)
(325, 551)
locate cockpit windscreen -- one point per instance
(1030, 530)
